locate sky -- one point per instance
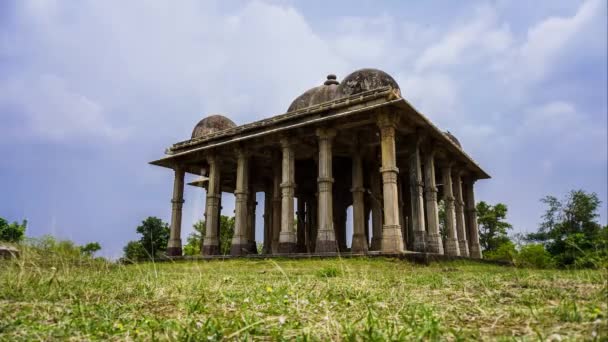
(91, 91)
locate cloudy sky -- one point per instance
(90, 91)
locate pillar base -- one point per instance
(434, 243)
(252, 247)
(392, 240)
(464, 248)
(475, 251)
(419, 241)
(174, 251)
(211, 250)
(376, 242)
(287, 247)
(326, 246)
(451, 247)
(237, 249)
(359, 244)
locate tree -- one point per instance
(193, 243)
(154, 236)
(90, 248)
(135, 251)
(570, 231)
(492, 227)
(12, 232)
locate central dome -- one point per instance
(357, 82)
(211, 124)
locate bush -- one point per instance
(505, 252)
(534, 255)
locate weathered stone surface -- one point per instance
(212, 124)
(9, 252)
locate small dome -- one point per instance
(316, 95)
(364, 80)
(211, 124)
(453, 138)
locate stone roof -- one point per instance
(355, 83)
(453, 138)
(211, 124)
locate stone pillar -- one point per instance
(174, 247)
(301, 230)
(451, 242)
(326, 236)
(392, 239)
(434, 243)
(417, 201)
(359, 242)
(211, 240)
(287, 238)
(241, 193)
(376, 204)
(276, 204)
(267, 220)
(252, 246)
(312, 240)
(459, 208)
(402, 221)
(473, 231)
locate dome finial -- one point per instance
(331, 79)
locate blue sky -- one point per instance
(90, 91)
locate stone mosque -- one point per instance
(355, 143)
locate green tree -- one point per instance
(492, 225)
(193, 243)
(135, 251)
(570, 231)
(90, 248)
(154, 236)
(12, 232)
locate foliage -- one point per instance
(534, 255)
(193, 243)
(12, 232)
(355, 299)
(90, 248)
(492, 227)
(505, 252)
(570, 231)
(153, 242)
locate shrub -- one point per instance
(534, 255)
(505, 252)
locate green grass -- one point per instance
(338, 299)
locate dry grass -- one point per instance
(338, 299)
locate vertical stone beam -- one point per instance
(301, 230)
(241, 193)
(451, 242)
(473, 231)
(276, 204)
(417, 200)
(402, 221)
(267, 220)
(252, 246)
(211, 240)
(434, 241)
(174, 247)
(392, 239)
(359, 242)
(287, 238)
(312, 240)
(376, 204)
(459, 208)
(326, 236)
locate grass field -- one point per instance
(338, 299)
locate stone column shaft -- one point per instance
(451, 242)
(301, 226)
(459, 209)
(416, 192)
(434, 241)
(326, 236)
(212, 216)
(267, 220)
(241, 193)
(252, 246)
(359, 241)
(392, 239)
(473, 231)
(174, 247)
(287, 237)
(376, 208)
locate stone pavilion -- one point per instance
(355, 142)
